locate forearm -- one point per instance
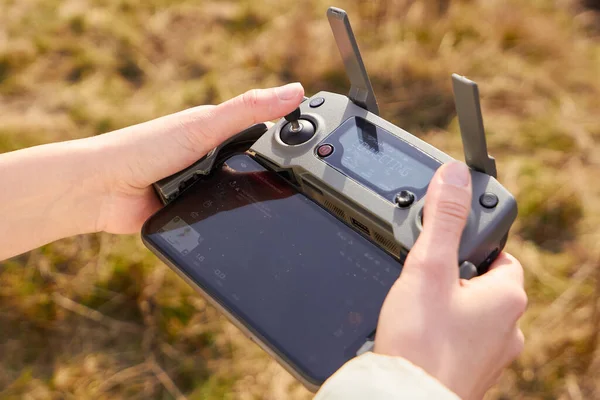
(48, 192)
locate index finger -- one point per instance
(504, 268)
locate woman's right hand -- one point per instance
(463, 333)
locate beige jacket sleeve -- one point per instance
(374, 377)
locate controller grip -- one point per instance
(170, 187)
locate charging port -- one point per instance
(360, 226)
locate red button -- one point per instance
(325, 150)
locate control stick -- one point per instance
(293, 118)
(297, 130)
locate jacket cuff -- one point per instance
(377, 376)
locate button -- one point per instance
(404, 199)
(488, 200)
(467, 270)
(316, 102)
(325, 150)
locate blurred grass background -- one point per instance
(99, 317)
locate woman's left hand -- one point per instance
(146, 153)
(104, 183)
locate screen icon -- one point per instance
(181, 236)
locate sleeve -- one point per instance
(376, 376)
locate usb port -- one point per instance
(360, 226)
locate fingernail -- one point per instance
(289, 91)
(456, 174)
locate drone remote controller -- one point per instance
(367, 172)
(374, 175)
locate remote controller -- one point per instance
(367, 172)
(374, 175)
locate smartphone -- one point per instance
(302, 284)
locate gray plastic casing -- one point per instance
(395, 229)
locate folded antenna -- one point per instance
(466, 97)
(361, 91)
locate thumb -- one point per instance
(156, 149)
(210, 127)
(447, 207)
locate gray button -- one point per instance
(316, 102)
(488, 200)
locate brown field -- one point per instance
(99, 317)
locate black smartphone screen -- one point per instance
(295, 275)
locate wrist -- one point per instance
(74, 186)
(53, 193)
(87, 186)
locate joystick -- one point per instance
(296, 131)
(293, 118)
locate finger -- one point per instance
(502, 288)
(208, 129)
(447, 207)
(505, 268)
(511, 351)
(517, 344)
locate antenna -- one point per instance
(361, 91)
(466, 97)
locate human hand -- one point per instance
(463, 333)
(104, 183)
(134, 158)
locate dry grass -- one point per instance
(99, 317)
